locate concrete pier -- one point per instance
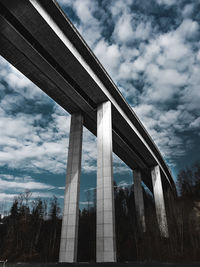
(66, 69)
(69, 233)
(139, 200)
(105, 238)
(159, 201)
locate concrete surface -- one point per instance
(139, 201)
(105, 235)
(159, 201)
(39, 40)
(69, 232)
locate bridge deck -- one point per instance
(41, 42)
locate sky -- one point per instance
(151, 50)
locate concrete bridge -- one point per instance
(40, 41)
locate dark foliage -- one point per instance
(87, 235)
(28, 234)
(32, 230)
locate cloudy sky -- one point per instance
(151, 49)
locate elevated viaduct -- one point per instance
(40, 41)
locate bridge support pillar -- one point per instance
(69, 232)
(105, 233)
(159, 201)
(139, 201)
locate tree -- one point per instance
(54, 229)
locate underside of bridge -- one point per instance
(40, 41)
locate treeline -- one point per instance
(183, 216)
(32, 230)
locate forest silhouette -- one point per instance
(31, 231)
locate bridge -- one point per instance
(41, 42)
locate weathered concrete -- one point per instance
(139, 201)
(69, 233)
(105, 239)
(159, 201)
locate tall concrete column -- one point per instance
(69, 232)
(105, 235)
(159, 201)
(139, 201)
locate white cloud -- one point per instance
(188, 10)
(26, 183)
(20, 84)
(109, 56)
(163, 127)
(119, 166)
(129, 27)
(90, 189)
(188, 29)
(7, 197)
(142, 31)
(24, 142)
(139, 64)
(124, 184)
(123, 29)
(83, 10)
(119, 7)
(166, 2)
(159, 76)
(195, 123)
(27, 145)
(6, 176)
(86, 203)
(89, 26)
(89, 154)
(61, 187)
(45, 195)
(19, 184)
